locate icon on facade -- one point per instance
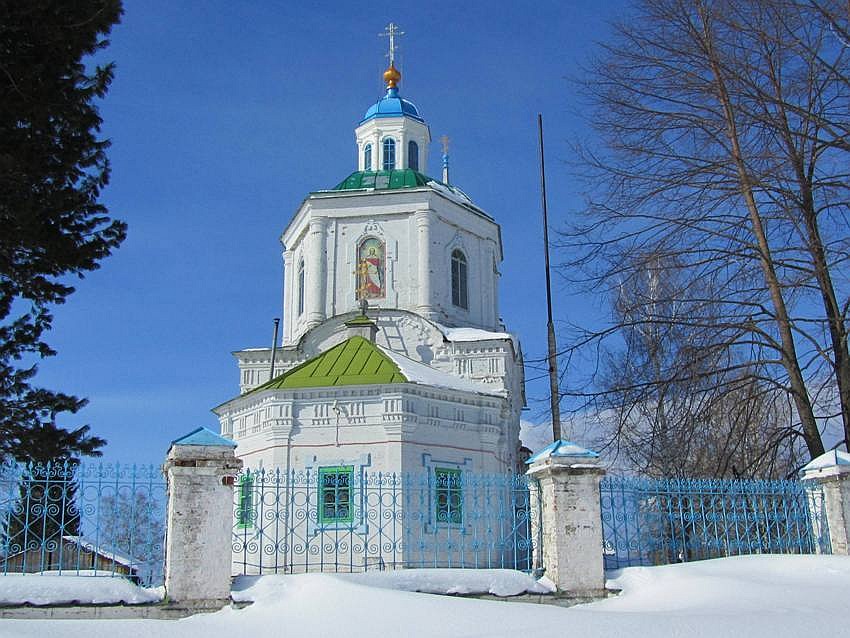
(371, 269)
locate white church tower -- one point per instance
(394, 357)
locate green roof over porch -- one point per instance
(355, 361)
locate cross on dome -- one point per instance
(391, 31)
(392, 75)
(392, 134)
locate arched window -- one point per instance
(301, 288)
(371, 269)
(389, 154)
(413, 155)
(367, 158)
(460, 297)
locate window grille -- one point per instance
(245, 507)
(335, 504)
(449, 495)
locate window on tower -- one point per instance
(389, 154)
(413, 155)
(367, 158)
(301, 288)
(460, 296)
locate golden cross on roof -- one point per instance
(444, 140)
(391, 31)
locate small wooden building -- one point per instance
(74, 554)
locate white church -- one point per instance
(393, 355)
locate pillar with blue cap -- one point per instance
(566, 518)
(830, 506)
(200, 469)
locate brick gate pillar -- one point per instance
(566, 518)
(831, 514)
(200, 469)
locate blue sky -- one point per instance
(224, 115)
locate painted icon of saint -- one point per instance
(371, 272)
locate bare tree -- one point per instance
(679, 399)
(131, 523)
(724, 137)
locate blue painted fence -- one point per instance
(83, 518)
(660, 521)
(341, 520)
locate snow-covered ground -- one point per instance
(83, 586)
(752, 596)
(499, 582)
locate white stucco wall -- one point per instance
(494, 362)
(420, 227)
(369, 425)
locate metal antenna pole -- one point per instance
(274, 347)
(554, 393)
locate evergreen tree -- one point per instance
(47, 507)
(53, 166)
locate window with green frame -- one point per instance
(245, 507)
(449, 495)
(335, 502)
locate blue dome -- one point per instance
(391, 105)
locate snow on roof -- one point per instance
(417, 372)
(106, 552)
(455, 194)
(833, 458)
(561, 449)
(472, 334)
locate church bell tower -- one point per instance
(390, 310)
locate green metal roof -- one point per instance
(398, 179)
(383, 180)
(355, 361)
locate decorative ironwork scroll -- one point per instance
(453, 519)
(661, 521)
(89, 519)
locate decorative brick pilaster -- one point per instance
(566, 518)
(831, 513)
(200, 470)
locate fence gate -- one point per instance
(660, 521)
(340, 519)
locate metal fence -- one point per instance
(89, 519)
(340, 520)
(661, 521)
